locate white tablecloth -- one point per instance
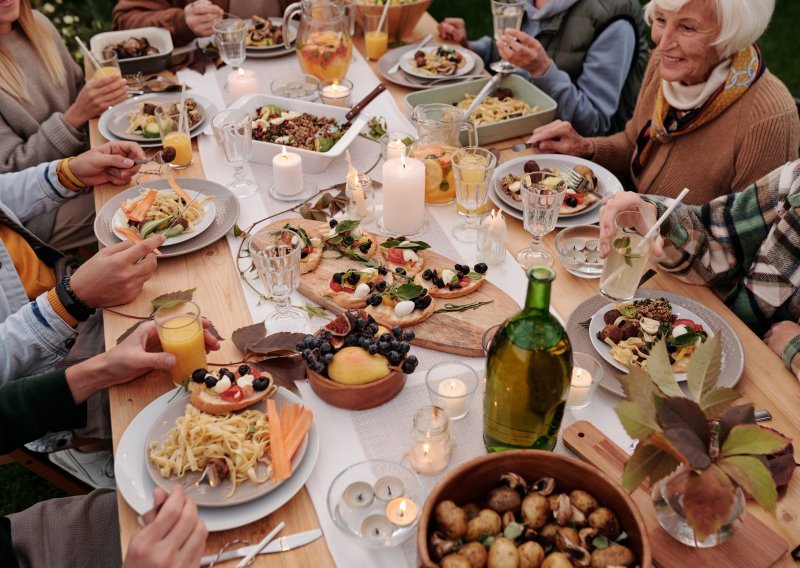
(341, 442)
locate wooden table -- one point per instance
(766, 382)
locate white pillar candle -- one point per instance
(453, 397)
(403, 195)
(287, 171)
(395, 149)
(580, 387)
(242, 82)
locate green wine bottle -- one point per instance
(528, 373)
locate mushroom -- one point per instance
(440, 546)
(578, 519)
(614, 555)
(578, 555)
(515, 481)
(565, 536)
(586, 536)
(544, 486)
(504, 499)
(582, 501)
(563, 510)
(605, 522)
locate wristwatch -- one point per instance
(74, 305)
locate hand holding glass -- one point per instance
(472, 168)
(233, 130)
(506, 14)
(542, 196)
(627, 258)
(180, 329)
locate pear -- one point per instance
(356, 366)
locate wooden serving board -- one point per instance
(454, 332)
(754, 545)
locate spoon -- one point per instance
(162, 157)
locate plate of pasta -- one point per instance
(164, 211)
(184, 440)
(438, 61)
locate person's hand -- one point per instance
(523, 51)
(112, 162)
(116, 274)
(174, 537)
(94, 98)
(780, 334)
(559, 137)
(627, 201)
(201, 15)
(455, 30)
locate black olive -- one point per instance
(571, 201)
(364, 247)
(333, 223)
(481, 268)
(337, 277)
(383, 271)
(438, 282)
(244, 370)
(303, 254)
(380, 287)
(211, 381)
(353, 278)
(400, 270)
(348, 240)
(199, 375)
(260, 383)
(428, 274)
(227, 373)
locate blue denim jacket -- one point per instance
(32, 336)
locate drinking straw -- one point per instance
(383, 15)
(180, 107)
(88, 54)
(651, 233)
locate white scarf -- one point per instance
(687, 97)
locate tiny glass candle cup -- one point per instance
(108, 67)
(627, 257)
(430, 441)
(180, 330)
(451, 386)
(336, 93)
(401, 511)
(174, 129)
(360, 198)
(377, 528)
(587, 373)
(395, 144)
(376, 35)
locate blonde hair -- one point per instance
(39, 34)
(741, 22)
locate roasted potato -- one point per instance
(503, 554)
(476, 553)
(614, 555)
(531, 555)
(487, 523)
(535, 511)
(451, 519)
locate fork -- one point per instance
(575, 180)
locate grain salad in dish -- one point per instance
(298, 130)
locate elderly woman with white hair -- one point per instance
(709, 117)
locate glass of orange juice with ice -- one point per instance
(174, 129)
(180, 329)
(376, 35)
(107, 67)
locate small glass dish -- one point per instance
(578, 250)
(296, 86)
(384, 516)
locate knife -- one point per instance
(420, 45)
(280, 545)
(487, 88)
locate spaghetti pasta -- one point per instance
(494, 109)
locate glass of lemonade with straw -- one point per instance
(627, 258)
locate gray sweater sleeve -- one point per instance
(55, 139)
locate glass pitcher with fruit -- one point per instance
(324, 46)
(439, 129)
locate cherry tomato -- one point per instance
(465, 282)
(688, 323)
(336, 287)
(233, 394)
(395, 256)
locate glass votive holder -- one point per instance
(395, 143)
(587, 373)
(492, 238)
(376, 503)
(296, 86)
(360, 198)
(336, 93)
(451, 386)
(430, 441)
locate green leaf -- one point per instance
(715, 401)
(638, 423)
(173, 298)
(660, 370)
(411, 245)
(754, 477)
(408, 291)
(600, 542)
(472, 275)
(735, 415)
(707, 501)
(689, 338)
(239, 232)
(346, 226)
(647, 461)
(751, 439)
(639, 388)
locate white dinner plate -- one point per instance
(604, 350)
(265, 52)
(136, 487)
(408, 65)
(203, 223)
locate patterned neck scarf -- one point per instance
(667, 123)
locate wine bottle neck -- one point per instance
(538, 296)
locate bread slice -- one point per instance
(411, 268)
(209, 401)
(437, 292)
(346, 297)
(311, 261)
(385, 316)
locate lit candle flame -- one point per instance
(241, 72)
(284, 154)
(402, 508)
(403, 160)
(578, 373)
(425, 449)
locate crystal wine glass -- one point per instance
(229, 36)
(542, 196)
(472, 168)
(276, 256)
(506, 14)
(233, 130)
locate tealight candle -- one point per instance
(395, 149)
(242, 82)
(336, 93)
(358, 495)
(401, 511)
(430, 452)
(453, 397)
(586, 375)
(403, 196)
(377, 527)
(388, 488)
(287, 170)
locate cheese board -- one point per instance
(459, 333)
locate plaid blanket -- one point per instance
(748, 240)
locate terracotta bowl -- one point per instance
(473, 480)
(356, 397)
(403, 18)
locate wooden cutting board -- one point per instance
(453, 332)
(755, 545)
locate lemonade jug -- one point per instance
(439, 129)
(324, 46)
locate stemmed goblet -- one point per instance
(506, 14)
(233, 130)
(542, 196)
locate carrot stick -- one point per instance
(281, 468)
(298, 432)
(289, 414)
(139, 212)
(133, 236)
(173, 183)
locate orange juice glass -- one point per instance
(109, 67)
(174, 128)
(180, 330)
(376, 35)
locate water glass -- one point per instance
(506, 14)
(276, 256)
(472, 168)
(451, 386)
(542, 196)
(233, 130)
(173, 125)
(229, 36)
(627, 257)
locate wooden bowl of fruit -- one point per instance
(354, 363)
(531, 508)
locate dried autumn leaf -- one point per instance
(638, 423)
(678, 413)
(173, 298)
(690, 446)
(739, 414)
(647, 461)
(704, 367)
(754, 477)
(715, 401)
(284, 371)
(751, 439)
(707, 501)
(660, 370)
(278, 344)
(660, 441)
(130, 330)
(639, 389)
(249, 335)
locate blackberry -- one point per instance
(325, 347)
(310, 341)
(393, 357)
(404, 348)
(327, 358)
(384, 347)
(408, 335)
(199, 375)
(408, 367)
(372, 328)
